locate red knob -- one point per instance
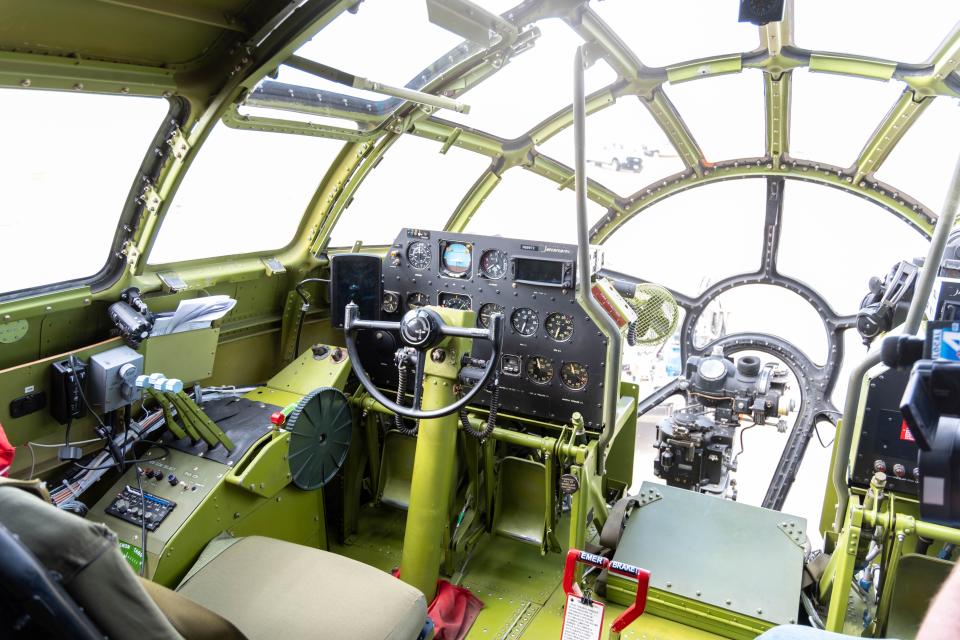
(278, 418)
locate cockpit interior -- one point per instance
(448, 319)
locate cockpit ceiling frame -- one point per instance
(776, 60)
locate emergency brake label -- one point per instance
(582, 620)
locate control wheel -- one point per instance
(421, 329)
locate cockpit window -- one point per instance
(532, 86)
(402, 187)
(921, 164)
(626, 149)
(725, 113)
(66, 169)
(664, 33)
(818, 225)
(832, 117)
(525, 205)
(245, 192)
(695, 238)
(383, 40)
(889, 29)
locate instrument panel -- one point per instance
(553, 354)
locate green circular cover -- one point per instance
(320, 430)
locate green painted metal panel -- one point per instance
(742, 563)
(853, 66)
(188, 355)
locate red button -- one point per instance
(277, 418)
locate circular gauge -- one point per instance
(525, 321)
(559, 326)
(456, 258)
(391, 302)
(455, 301)
(493, 264)
(487, 310)
(540, 369)
(416, 300)
(574, 375)
(419, 254)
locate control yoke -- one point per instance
(420, 329)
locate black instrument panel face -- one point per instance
(553, 354)
(886, 443)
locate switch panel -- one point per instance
(151, 509)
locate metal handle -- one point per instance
(493, 335)
(642, 576)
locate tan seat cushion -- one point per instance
(271, 589)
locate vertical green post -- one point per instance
(428, 515)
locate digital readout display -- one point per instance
(545, 271)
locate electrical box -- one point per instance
(66, 386)
(111, 378)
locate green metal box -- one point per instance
(718, 565)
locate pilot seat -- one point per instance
(252, 587)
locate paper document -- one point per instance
(197, 313)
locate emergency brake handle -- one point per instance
(642, 576)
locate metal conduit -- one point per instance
(604, 322)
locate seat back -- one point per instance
(86, 556)
(32, 601)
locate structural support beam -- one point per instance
(186, 11)
(890, 131)
(663, 111)
(776, 93)
(887, 197)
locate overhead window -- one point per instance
(889, 29)
(626, 149)
(664, 33)
(532, 86)
(385, 41)
(921, 165)
(832, 117)
(245, 192)
(530, 207)
(405, 190)
(67, 166)
(695, 238)
(724, 113)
